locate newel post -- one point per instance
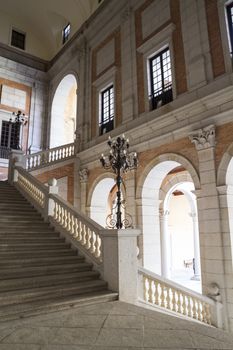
(49, 202)
(120, 263)
(16, 158)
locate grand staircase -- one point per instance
(39, 270)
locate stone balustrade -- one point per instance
(84, 230)
(159, 291)
(40, 159)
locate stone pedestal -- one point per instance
(16, 158)
(120, 262)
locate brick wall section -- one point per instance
(178, 48)
(177, 39)
(224, 138)
(116, 35)
(138, 24)
(66, 170)
(215, 42)
(183, 147)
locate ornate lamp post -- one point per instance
(120, 161)
(19, 120)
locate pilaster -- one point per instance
(211, 245)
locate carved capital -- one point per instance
(83, 174)
(203, 138)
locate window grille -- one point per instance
(66, 33)
(230, 24)
(106, 123)
(18, 39)
(160, 79)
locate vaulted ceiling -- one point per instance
(43, 21)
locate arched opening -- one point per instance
(101, 201)
(169, 224)
(63, 113)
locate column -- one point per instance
(196, 244)
(165, 244)
(83, 175)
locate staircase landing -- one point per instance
(112, 325)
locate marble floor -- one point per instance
(113, 325)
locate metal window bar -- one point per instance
(66, 33)
(230, 23)
(160, 79)
(107, 110)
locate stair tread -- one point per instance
(38, 291)
(45, 269)
(55, 304)
(54, 279)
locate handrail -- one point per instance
(40, 159)
(61, 214)
(167, 294)
(84, 230)
(32, 188)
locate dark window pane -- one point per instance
(18, 39)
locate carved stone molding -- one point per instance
(163, 213)
(126, 14)
(203, 138)
(83, 174)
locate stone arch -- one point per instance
(147, 195)
(224, 166)
(100, 197)
(168, 157)
(175, 180)
(64, 111)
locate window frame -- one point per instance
(106, 123)
(20, 32)
(229, 8)
(157, 99)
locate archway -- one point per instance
(155, 208)
(100, 201)
(63, 113)
(180, 236)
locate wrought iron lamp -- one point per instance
(120, 161)
(18, 121)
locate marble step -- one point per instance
(47, 253)
(54, 304)
(28, 239)
(45, 270)
(47, 280)
(23, 246)
(38, 261)
(43, 293)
